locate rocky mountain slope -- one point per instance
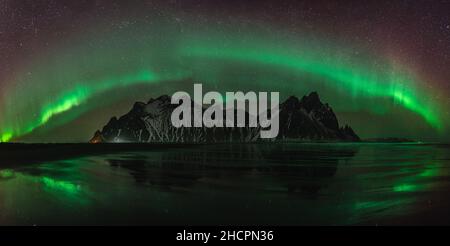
(300, 119)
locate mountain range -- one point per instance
(306, 119)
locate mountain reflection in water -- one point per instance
(267, 184)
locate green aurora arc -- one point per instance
(73, 98)
(73, 74)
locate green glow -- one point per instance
(405, 188)
(81, 94)
(51, 183)
(69, 77)
(407, 184)
(430, 172)
(359, 80)
(6, 173)
(6, 136)
(371, 204)
(66, 187)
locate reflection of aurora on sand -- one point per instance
(286, 184)
(68, 77)
(50, 184)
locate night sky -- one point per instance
(66, 67)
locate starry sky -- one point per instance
(66, 67)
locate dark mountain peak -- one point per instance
(291, 103)
(307, 118)
(138, 106)
(292, 99)
(112, 120)
(137, 109)
(348, 133)
(157, 106)
(313, 95)
(163, 98)
(311, 102)
(313, 107)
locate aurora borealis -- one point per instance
(63, 61)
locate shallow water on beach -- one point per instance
(234, 184)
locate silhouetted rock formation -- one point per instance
(305, 119)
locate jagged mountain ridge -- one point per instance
(305, 119)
